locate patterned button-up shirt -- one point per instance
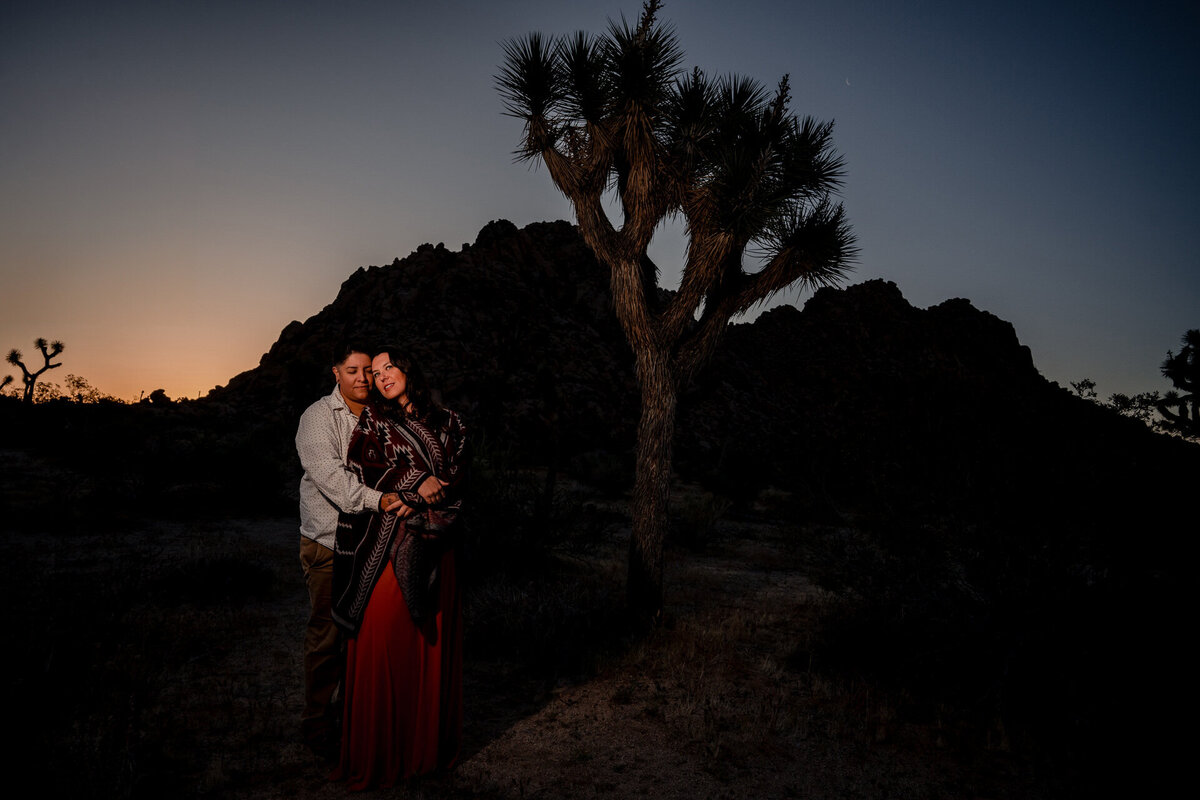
(328, 485)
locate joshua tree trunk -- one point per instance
(652, 484)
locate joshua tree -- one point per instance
(751, 180)
(49, 351)
(1181, 409)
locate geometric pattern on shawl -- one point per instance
(397, 456)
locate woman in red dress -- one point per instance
(395, 585)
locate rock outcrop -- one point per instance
(860, 400)
(516, 330)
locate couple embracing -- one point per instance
(384, 467)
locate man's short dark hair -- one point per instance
(347, 347)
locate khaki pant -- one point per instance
(324, 652)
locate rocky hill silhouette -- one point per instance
(516, 330)
(859, 402)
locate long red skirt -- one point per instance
(403, 687)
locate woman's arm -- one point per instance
(435, 489)
(415, 479)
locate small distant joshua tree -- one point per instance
(49, 351)
(1181, 409)
(616, 115)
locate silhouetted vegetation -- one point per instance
(119, 462)
(751, 179)
(75, 389)
(79, 390)
(1042, 640)
(1178, 410)
(1141, 406)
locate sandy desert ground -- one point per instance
(188, 635)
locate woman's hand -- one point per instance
(391, 503)
(432, 490)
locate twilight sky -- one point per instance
(180, 180)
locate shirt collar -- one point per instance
(338, 402)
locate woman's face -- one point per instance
(389, 380)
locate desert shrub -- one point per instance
(799, 502)
(1025, 639)
(508, 515)
(694, 518)
(562, 624)
(728, 471)
(611, 473)
(518, 517)
(117, 463)
(526, 597)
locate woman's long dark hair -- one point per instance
(417, 388)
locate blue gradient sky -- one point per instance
(180, 180)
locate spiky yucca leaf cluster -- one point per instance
(753, 181)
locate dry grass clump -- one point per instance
(561, 624)
(695, 515)
(724, 672)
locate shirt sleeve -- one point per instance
(321, 455)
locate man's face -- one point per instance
(354, 377)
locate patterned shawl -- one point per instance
(393, 456)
